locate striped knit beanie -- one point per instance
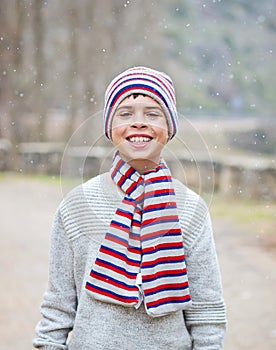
(146, 81)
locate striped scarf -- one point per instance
(142, 254)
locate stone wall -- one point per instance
(249, 179)
(243, 177)
(5, 153)
(40, 157)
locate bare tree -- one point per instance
(40, 78)
(73, 68)
(12, 21)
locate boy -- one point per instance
(133, 263)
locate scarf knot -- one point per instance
(142, 254)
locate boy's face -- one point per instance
(139, 130)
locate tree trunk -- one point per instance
(39, 101)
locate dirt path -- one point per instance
(249, 280)
(27, 208)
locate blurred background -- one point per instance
(56, 59)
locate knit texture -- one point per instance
(146, 81)
(144, 238)
(79, 228)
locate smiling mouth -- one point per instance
(139, 139)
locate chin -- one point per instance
(140, 156)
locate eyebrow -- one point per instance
(146, 107)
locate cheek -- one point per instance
(162, 133)
(117, 132)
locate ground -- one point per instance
(27, 207)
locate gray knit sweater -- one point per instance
(72, 320)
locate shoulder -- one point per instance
(90, 193)
(187, 199)
(93, 187)
(88, 206)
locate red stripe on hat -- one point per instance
(123, 79)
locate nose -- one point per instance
(139, 122)
(139, 125)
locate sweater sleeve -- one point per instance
(206, 319)
(59, 304)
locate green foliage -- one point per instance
(227, 46)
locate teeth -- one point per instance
(139, 139)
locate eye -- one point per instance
(124, 114)
(153, 115)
